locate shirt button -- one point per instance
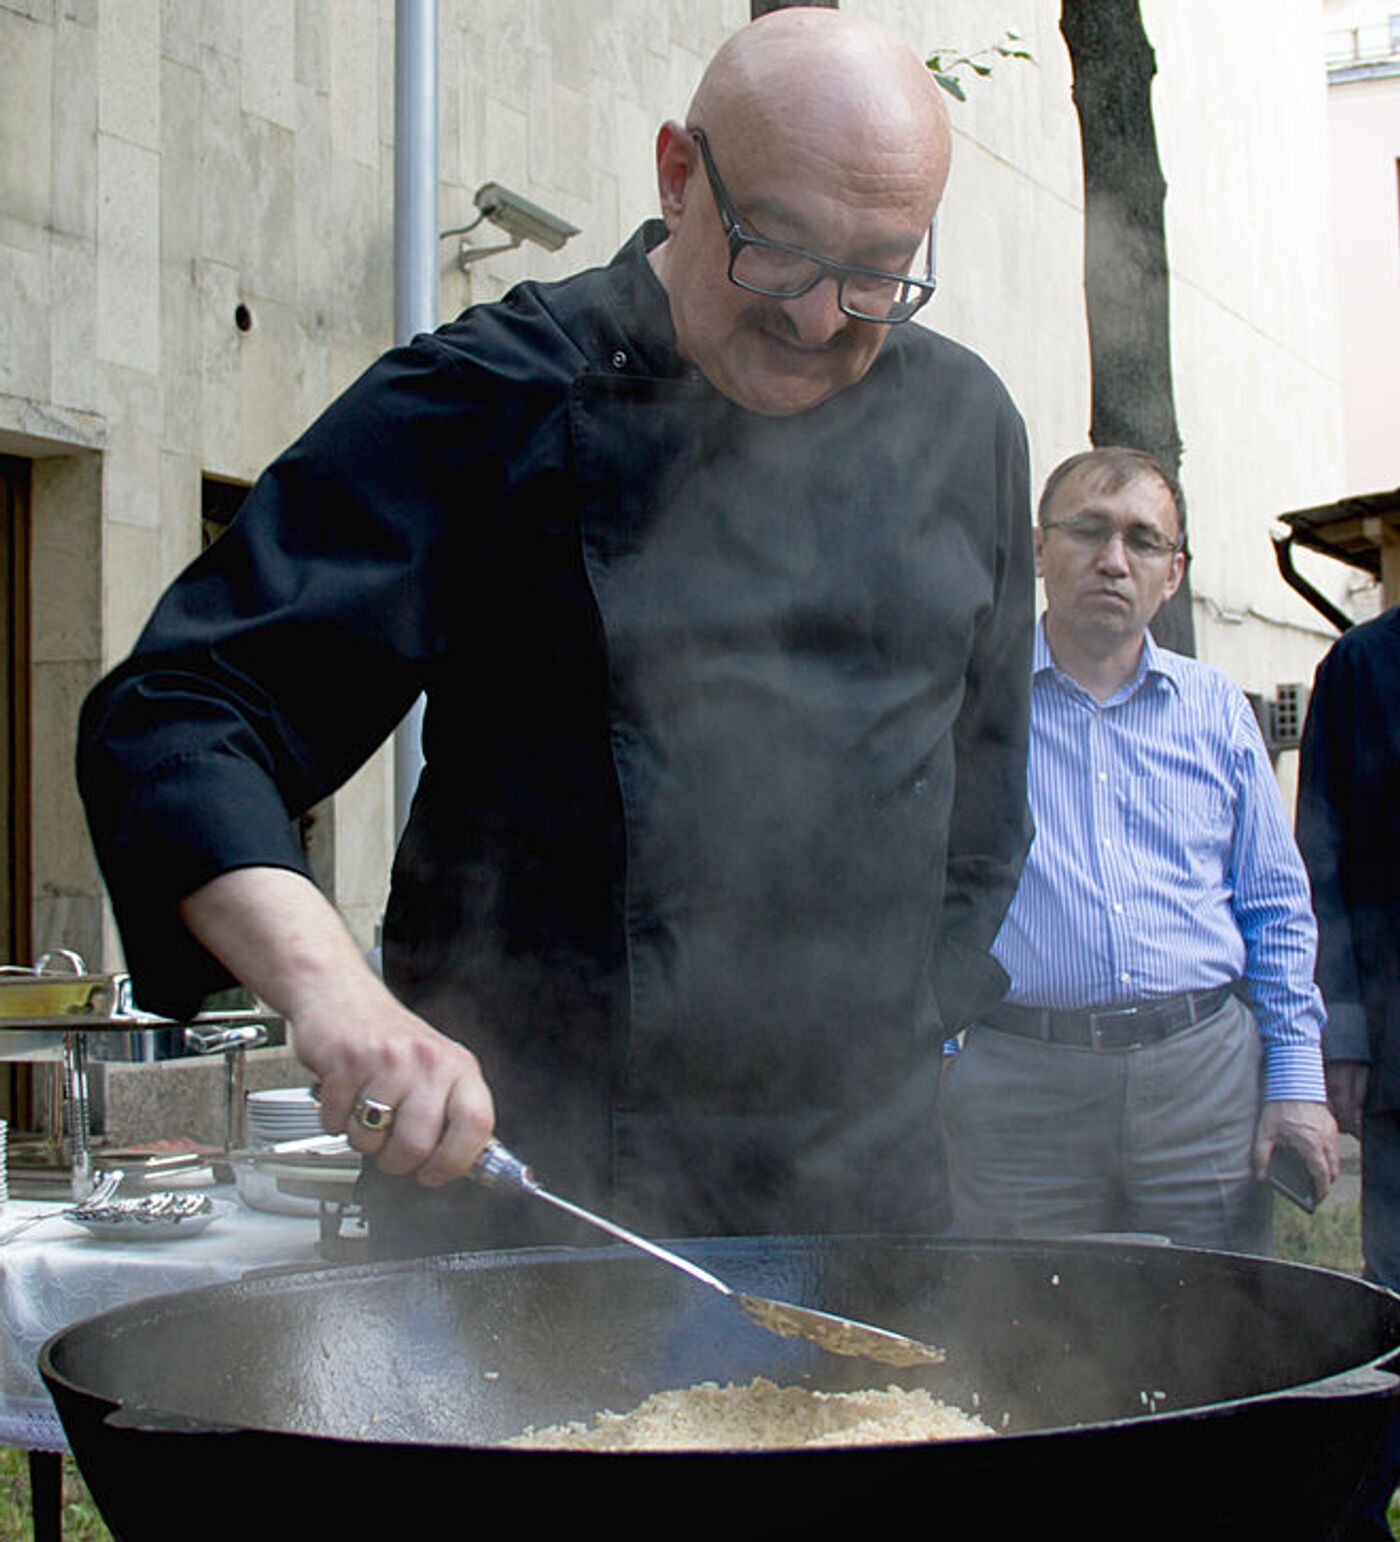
(1103, 776)
(1125, 977)
(619, 359)
(1117, 908)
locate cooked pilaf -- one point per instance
(761, 1416)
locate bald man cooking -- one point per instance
(717, 577)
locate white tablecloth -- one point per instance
(56, 1274)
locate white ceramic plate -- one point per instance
(133, 1227)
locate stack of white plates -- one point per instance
(4, 1169)
(281, 1113)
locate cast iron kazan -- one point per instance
(1141, 1391)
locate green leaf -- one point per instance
(952, 85)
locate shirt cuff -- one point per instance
(1293, 1073)
(1345, 1037)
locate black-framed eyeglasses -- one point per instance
(1091, 532)
(784, 272)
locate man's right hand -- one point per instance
(442, 1111)
(277, 934)
(1347, 1081)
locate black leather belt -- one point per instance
(1130, 1026)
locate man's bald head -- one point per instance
(816, 75)
(829, 136)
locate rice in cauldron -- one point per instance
(761, 1416)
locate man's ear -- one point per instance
(675, 163)
(1177, 574)
(1039, 543)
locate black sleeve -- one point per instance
(278, 662)
(990, 830)
(1323, 771)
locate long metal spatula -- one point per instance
(497, 1168)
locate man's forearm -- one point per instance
(276, 932)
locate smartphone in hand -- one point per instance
(1288, 1174)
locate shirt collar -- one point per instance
(1158, 663)
(1161, 663)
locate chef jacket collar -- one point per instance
(638, 337)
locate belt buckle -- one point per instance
(1098, 1021)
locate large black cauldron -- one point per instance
(1143, 1391)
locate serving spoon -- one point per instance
(497, 1168)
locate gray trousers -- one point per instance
(1046, 1140)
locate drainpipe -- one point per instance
(1283, 555)
(415, 265)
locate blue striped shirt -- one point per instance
(1163, 860)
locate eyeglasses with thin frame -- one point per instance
(1140, 541)
(783, 272)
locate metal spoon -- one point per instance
(497, 1168)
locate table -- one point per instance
(56, 1273)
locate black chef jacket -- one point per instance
(725, 745)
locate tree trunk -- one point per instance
(1125, 249)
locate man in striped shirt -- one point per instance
(1162, 1031)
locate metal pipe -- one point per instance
(415, 265)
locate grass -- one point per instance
(81, 1522)
(1330, 1238)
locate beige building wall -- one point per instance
(163, 165)
(1364, 103)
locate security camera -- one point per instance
(518, 217)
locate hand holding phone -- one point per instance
(1288, 1174)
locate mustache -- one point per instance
(767, 316)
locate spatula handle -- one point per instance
(497, 1168)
